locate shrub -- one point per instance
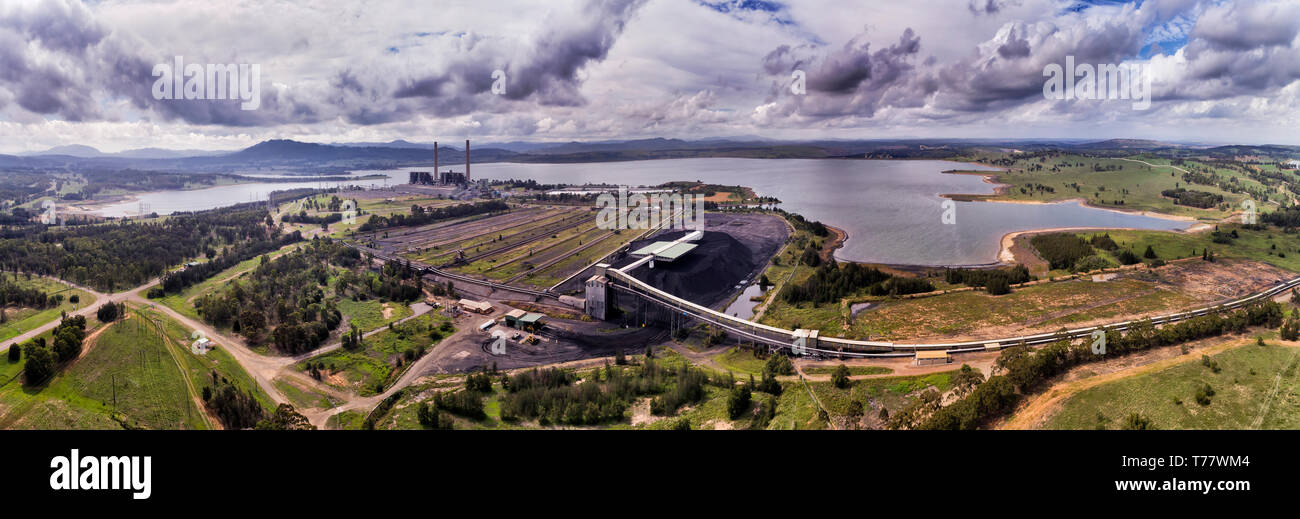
(1091, 263)
(840, 377)
(1137, 422)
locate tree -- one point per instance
(430, 418)
(998, 286)
(1150, 253)
(966, 380)
(15, 353)
(738, 401)
(856, 411)
(285, 418)
(107, 313)
(840, 377)
(39, 366)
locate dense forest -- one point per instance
(421, 216)
(996, 281)
(1061, 250)
(831, 282)
(289, 302)
(234, 255)
(1199, 199)
(554, 396)
(119, 255)
(1287, 218)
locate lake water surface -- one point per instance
(891, 209)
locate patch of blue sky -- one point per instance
(776, 11)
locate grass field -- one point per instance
(376, 361)
(369, 314)
(971, 312)
(742, 362)
(303, 397)
(23, 319)
(1269, 246)
(1242, 387)
(347, 420)
(128, 377)
(202, 366)
(853, 370)
(893, 393)
(795, 408)
(1137, 185)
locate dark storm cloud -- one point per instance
(57, 59)
(851, 79)
(548, 74)
(58, 26)
(979, 7)
(1014, 47)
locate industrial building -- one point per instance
(438, 177)
(524, 320)
(470, 305)
(665, 251)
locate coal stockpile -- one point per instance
(707, 275)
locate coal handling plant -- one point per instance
(706, 268)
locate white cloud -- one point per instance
(412, 69)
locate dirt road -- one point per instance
(86, 310)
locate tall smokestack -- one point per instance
(436, 173)
(467, 179)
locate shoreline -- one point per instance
(1006, 256)
(1000, 189)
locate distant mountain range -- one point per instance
(87, 152)
(311, 158)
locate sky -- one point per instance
(74, 72)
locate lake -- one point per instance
(890, 208)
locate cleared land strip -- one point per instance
(171, 347)
(1277, 383)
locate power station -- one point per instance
(443, 178)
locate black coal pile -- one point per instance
(707, 275)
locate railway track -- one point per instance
(553, 261)
(542, 234)
(426, 269)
